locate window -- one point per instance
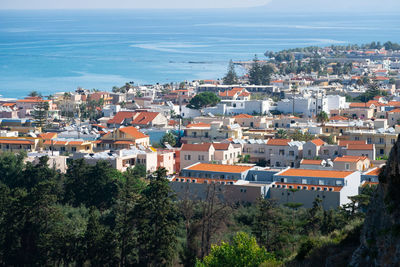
(291, 153)
(381, 141)
(194, 134)
(206, 134)
(298, 187)
(309, 152)
(321, 182)
(338, 182)
(305, 187)
(304, 181)
(73, 149)
(357, 138)
(281, 152)
(193, 181)
(347, 166)
(381, 151)
(331, 189)
(201, 157)
(369, 140)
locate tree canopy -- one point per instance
(204, 99)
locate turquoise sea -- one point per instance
(51, 51)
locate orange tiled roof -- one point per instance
(46, 136)
(318, 142)
(338, 118)
(8, 104)
(196, 147)
(200, 124)
(375, 171)
(244, 94)
(132, 131)
(243, 116)
(311, 162)
(219, 168)
(359, 105)
(16, 142)
(315, 173)
(394, 103)
(145, 118)
(120, 117)
(75, 143)
(310, 186)
(360, 146)
(278, 142)
(221, 146)
(346, 158)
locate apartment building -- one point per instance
(304, 185)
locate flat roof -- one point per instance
(315, 173)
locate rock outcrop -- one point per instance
(380, 237)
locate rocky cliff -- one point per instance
(380, 237)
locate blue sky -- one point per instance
(284, 5)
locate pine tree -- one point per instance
(255, 72)
(40, 113)
(157, 221)
(231, 76)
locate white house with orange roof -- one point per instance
(283, 152)
(351, 163)
(304, 185)
(312, 148)
(360, 150)
(122, 138)
(209, 132)
(393, 117)
(252, 122)
(371, 177)
(227, 182)
(314, 164)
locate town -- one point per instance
(302, 124)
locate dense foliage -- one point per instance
(95, 215)
(231, 76)
(204, 99)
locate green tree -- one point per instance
(204, 99)
(34, 94)
(40, 113)
(168, 138)
(157, 221)
(281, 134)
(230, 77)
(255, 76)
(314, 219)
(243, 251)
(322, 117)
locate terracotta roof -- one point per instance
(221, 146)
(200, 124)
(144, 118)
(196, 147)
(244, 94)
(32, 100)
(379, 78)
(315, 173)
(351, 142)
(219, 168)
(99, 126)
(338, 118)
(311, 162)
(375, 171)
(394, 103)
(121, 116)
(75, 143)
(243, 116)
(16, 142)
(310, 186)
(397, 110)
(346, 158)
(132, 131)
(46, 136)
(9, 104)
(359, 105)
(360, 147)
(318, 142)
(278, 142)
(366, 183)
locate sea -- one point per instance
(59, 50)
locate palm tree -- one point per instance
(281, 134)
(322, 117)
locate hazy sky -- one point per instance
(284, 5)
